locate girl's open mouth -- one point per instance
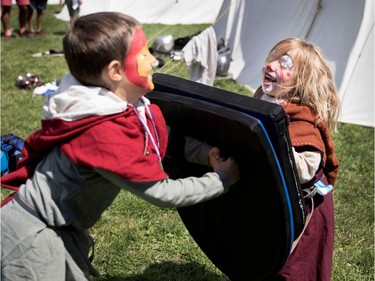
(269, 78)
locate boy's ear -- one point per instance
(115, 71)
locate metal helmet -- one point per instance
(27, 81)
(223, 63)
(163, 44)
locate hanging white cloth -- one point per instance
(200, 55)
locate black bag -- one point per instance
(11, 152)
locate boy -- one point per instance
(99, 134)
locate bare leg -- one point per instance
(30, 19)
(40, 21)
(5, 19)
(23, 17)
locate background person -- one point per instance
(39, 6)
(73, 8)
(6, 7)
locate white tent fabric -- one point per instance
(155, 11)
(343, 29)
(357, 87)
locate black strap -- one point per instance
(27, 207)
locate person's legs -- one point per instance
(30, 18)
(5, 19)
(23, 17)
(41, 6)
(40, 22)
(30, 250)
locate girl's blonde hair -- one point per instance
(313, 83)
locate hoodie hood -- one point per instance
(73, 101)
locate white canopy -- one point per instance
(343, 29)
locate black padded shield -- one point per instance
(248, 232)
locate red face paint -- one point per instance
(139, 58)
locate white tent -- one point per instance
(155, 11)
(343, 29)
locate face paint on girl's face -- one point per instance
(138, 63)
(276, 73)
(286, 62)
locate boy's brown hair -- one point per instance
(94, 41)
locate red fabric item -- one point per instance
(115, 143)
(311, 260)
(18, 2)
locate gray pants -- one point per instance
(32, 251)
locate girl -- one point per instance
(296, 77)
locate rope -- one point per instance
(225, 11)
(308, 218)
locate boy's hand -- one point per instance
(228, 167)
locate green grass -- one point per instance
(138, 241)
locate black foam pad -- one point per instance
(248, 232)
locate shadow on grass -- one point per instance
(169, 271)
(60, 33)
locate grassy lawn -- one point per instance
(138, 241)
